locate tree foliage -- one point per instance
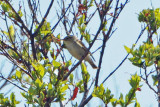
(147, 55)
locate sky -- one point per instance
(128, 29)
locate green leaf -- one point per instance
(1, 96)
(45, 32)
(56, 64)
(11, 30)
(5, 7)
(83, 29)
(121, 101)
(130, 96)
(80, 86)
(85, 2)
(155, 79)
(68, 63)
(23, 94)
(137, 104)
(41, 70)
(104, 26)
(35, 66)
(18, 74)
(91, 3)
(101, 89)
(87, 77)
(50, 86)
(34, 75)
(20, 13)
(59, 36)
(10, 33)
(31, 91)
(84, 69)
(38, 82)
(127, 49)
(134, 81)
(94, 95)
(87, 37)
(13, 100)
(82, 20)
(71, 78)
(41, 99)
(113, 100)
(6, 33)
(64, 88)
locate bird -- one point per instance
(77, 49)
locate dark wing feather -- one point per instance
(84, 47)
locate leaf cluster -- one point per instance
(5, 102)
(145, 56)
(107, 97)
(151, 17)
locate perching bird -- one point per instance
(78, 49)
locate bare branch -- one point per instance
(44, 18)
(54, 27)
(5, 83)
(142, 31)
(105, 40)
(12, 83)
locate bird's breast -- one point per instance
(75, 50)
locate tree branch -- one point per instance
(3, 85)
(54, 27)
(19, 18)
(124, 58)
(105, 40)
(12, 83)
(44, 18)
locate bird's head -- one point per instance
(70, 38)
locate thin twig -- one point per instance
(44, 18)
(12, 83)
(104, 42)
(124, 58)
(54, 27)
(13, 69)
(19, 18)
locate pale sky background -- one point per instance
(126, 34)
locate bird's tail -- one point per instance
(94, 66)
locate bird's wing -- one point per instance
(84, 47)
